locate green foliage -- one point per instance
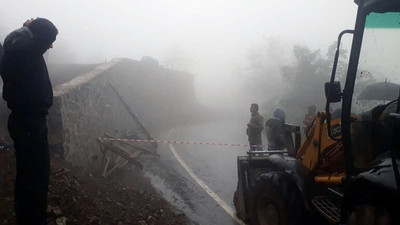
(307, 77)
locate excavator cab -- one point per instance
(370, 119)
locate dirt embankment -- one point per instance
(77, 197)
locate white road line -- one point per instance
(208, 190)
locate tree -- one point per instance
(291, 84)
(307, 77)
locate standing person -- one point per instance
(29, 94)
(274, 128)
(309, 118)
(254, 128)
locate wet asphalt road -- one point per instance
(216, 166)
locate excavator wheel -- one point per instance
(275, 200)
(268, 206)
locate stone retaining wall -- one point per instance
(83, 110)
(86, 107)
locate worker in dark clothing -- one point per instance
(274, 130)
(254, 128)
(29, 94)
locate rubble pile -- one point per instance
(77, 197)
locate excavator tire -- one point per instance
(241, 216)
(268, 206)
(275, 200)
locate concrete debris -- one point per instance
(61, 221)
(54, 210)
(57, 211)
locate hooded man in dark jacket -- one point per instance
(274, 129)
(29, 94)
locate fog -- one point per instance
(212, 39)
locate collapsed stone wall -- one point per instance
(161, 97)
(86, 107)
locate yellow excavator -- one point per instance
(347, 169)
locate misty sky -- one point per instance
(208, 38)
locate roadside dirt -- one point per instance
(78, 197)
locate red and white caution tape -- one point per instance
(178, 142)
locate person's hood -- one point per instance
(20, 35)
(279, 114)
(24, 39)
